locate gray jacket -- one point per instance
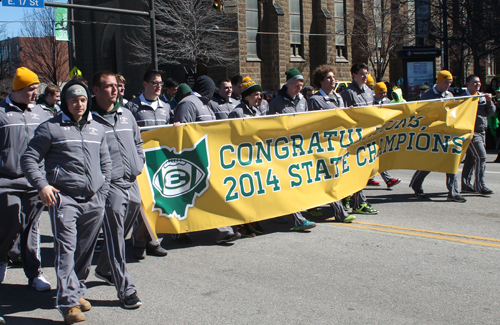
(321, 100)
(384, 101)
(243, 110)
(146, 115)
(434, 94)
(283, 104)
(125, 146)
(193, 109)
(76, 161)
(355, 96)
(16, 130)
(225, 106)
(484, 109)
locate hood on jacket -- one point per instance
(64, 105)
(204, 86)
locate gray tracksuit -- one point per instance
(19, 200)
(475, 161)
(321, 100)
(193, 109)
(356, 96)
(225, 106)
(283, 103)
(149, 113)
(77, 163)
(127, 157)
(418, 178)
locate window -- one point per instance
(340, 29)
(295, 29)
(252, 13)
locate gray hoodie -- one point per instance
(76, 158)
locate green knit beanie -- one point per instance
(292, 75)
(182, 91)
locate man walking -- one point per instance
(440, 90)
(122, 206)
(48, 100)
(21, 206)
(475, 161)
(74, 186)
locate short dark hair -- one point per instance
(472, 76)
(51, 90)
(358, 66)
(236, 79)
(320, 73)
(219, 83)
(169, 83)
(97, 78)
(150, 74)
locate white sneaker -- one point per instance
(3, 270)
(40, 283)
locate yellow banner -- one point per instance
(229, 172)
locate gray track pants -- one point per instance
(475, 163)
(119, 205)
(338, 211)
(358, 198)
(21, 211)
(75, 226)
(451, 182)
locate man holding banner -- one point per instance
(290, 100)
(440, 90)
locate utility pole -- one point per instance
(445, 36)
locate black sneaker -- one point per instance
(420, 194)
(485, 191)
(457, 198)
(132, 301)
(106, 278)
(466, 189)
(156, 250)
(182, 239)
(229, 238)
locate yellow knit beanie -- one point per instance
(444, 75)
(380, 87)
(369, 81)
(24, 77)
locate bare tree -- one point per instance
(380, 28)
(8, 58)
(41, 52)
(189, 31)
(472, 32)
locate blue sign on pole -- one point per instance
(23, 3)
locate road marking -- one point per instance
(466, 239)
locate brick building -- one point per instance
(45, 56)
(273, 36)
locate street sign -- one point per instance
(23, 3)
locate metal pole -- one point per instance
(445, 38)
(152, 29)
(72, 53)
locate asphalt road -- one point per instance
(416, 262)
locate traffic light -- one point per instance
(218, 5)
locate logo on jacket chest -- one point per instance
(93, 131)
(124, 120)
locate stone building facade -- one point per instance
(273, 36)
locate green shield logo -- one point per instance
(176, 178)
